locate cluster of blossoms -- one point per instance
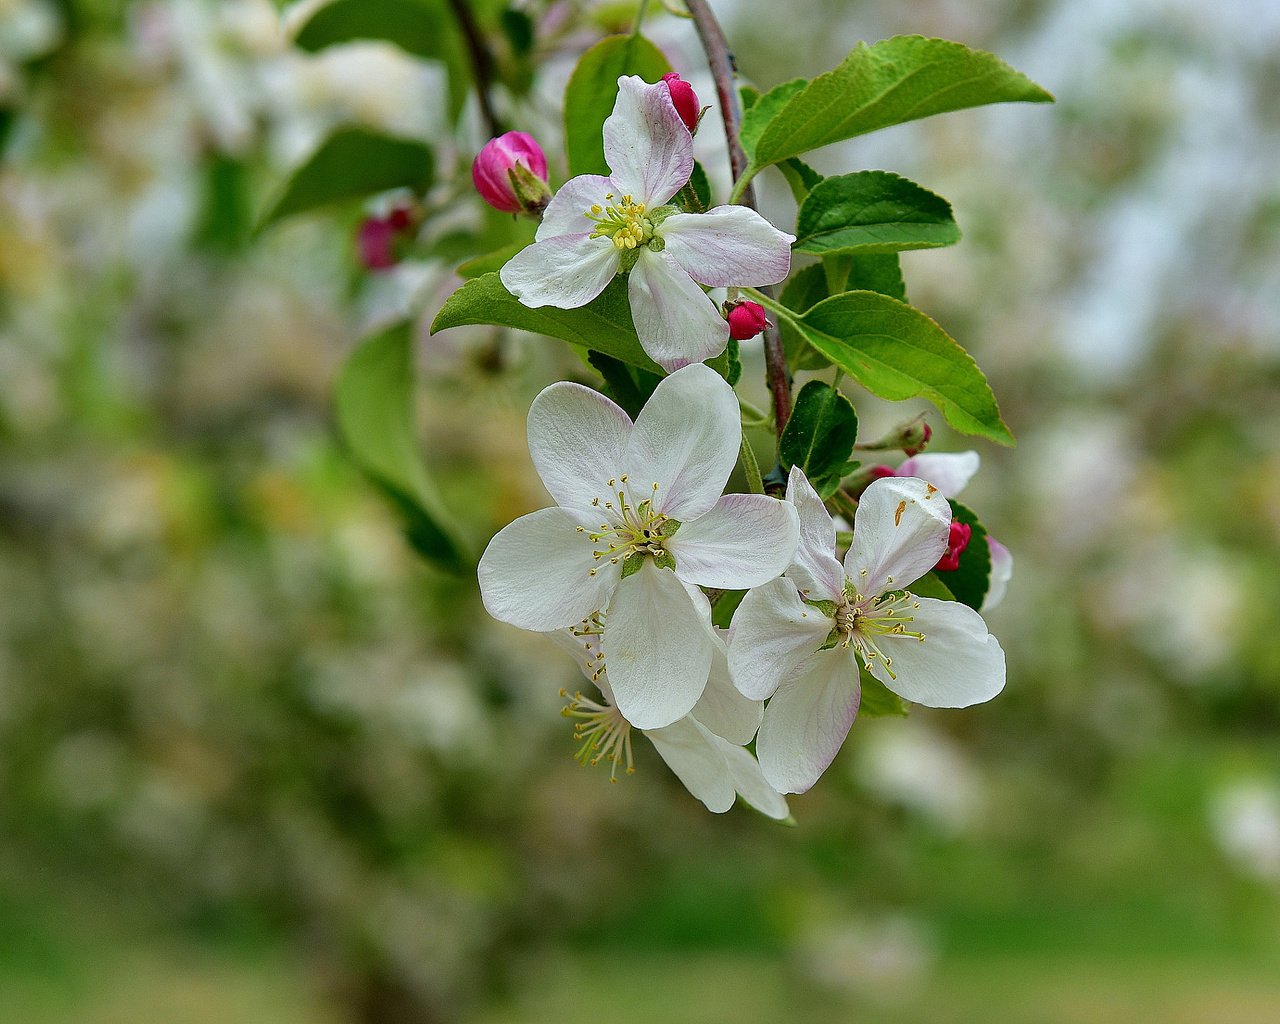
(619, 569)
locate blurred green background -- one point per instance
(260, 763)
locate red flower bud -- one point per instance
(510, 173)
(746, 320)
(880, 472)
(376, 239)
(957, 541)
(686, 101)
(914, 446)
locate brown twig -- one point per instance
(481, 63)
(716, 48)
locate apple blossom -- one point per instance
(704, 748)
(800, 639)
(951, 472)
(669, 256)
(639, 515)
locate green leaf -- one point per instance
(375, 413)
(519, 29)
(351, 163)
(895, 80)
(877, 700)
(629, 386)
(420, 27)
(931, 585)
(800, 177)
(603, 324)
(806, 288)
(872, 212)
(877, 273)
(490, 262)
(819, 436)
(592, 90)
(761, 112)
(970, 581)
(722, 611)
(897, 352)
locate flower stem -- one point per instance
(640, 12)
(777, 375)
(481, 63)
(750, 468)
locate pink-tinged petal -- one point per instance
(567, 271)
(743, 541)
(686, 441)
(646, 145)
(566, 214)
(773, 633)
(1001, 574)
(728, 246)
(692, 754)
(957, 664)
(899, 532)
(722, 709)
(815, 570)
(950, 472)
(750, 782)
(676, 322)
(808, 720)
(536, 573)
(577, 439)
(657, 647)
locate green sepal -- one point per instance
(669, 528)
(632, 564)
(877, 700)
(665, 560)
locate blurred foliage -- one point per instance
(260, 762)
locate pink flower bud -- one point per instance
(915, 443)
(746, 320)
(376, 240)
(957, 541)
(686, 101)
(510, 173)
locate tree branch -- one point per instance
(723, 71)
(481, 63)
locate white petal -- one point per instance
(647, 146)
(728, 246)
(566, 214)
(577, 439)
(815, 569)
(899, 532)
(750, 782)
(807, 721)
(722, 709)
(957, 664)
(567, 271)
(536, 573)
(676, 322)
(1001, 574)
(657, 648)
(950, 472)
(692, 753)
(685, 440)
(773, 632)
(576, 647)
(743, 541)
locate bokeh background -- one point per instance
(261, 763)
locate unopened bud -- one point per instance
(865, 477)
(911, 437)
(685, 100)
(377, 238)
(957, 541)
(510, 173)
(746, 320)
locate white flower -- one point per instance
(640, 514)
(704, 748)
(950, 472)
(598, 226)
(806, 645)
